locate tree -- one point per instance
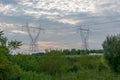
(111, 48)
(3, 40)
(73, 51)
(66, 51)
(8, 70)
(12, 45)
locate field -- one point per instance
(56, 66)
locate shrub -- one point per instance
(8, 71)
(53, 62)
(26, 62)
(86, 62)
(111, 48)
(34, 76)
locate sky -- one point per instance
(61, 20)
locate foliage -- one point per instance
(8, 71)
(76, 51)
(14, 44)
(83, 63)
(4, 51)
(112, 52)
(3, 39)
(86, 62)
(53, 63)
(51, 67)
(26, 62)
(34, 76)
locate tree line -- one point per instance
(72, 52)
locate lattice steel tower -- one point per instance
(84, 36)
(33, 37)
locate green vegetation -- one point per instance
(112, 52)
(53, 65)
(8, 70)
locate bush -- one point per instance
(86, 62)
(34, 76)
(8, 71)
(53, 62)
(26, 62)
(111, 48)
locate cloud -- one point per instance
(52, 45)
(18, 31)
(38, 14)
(55, 7)
(8, 7)
(108, 7)
(65, 7)
(69, 21)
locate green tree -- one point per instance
(8, 70)
(12, 45)
(111, 48)
(73, 51)
(66, 51)
(3, 40)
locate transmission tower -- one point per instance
(84, 36)
(33, 37)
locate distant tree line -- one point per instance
(72, 52)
